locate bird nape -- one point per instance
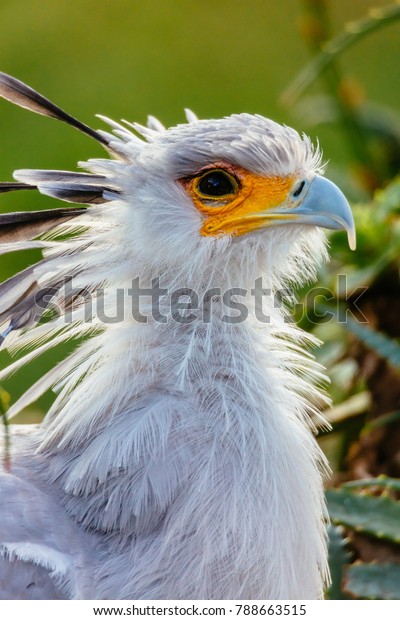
(178, 460)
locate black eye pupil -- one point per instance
(216, 183)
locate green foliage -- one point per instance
(368, 506)
(4, 405)
(371, 133)
(338, 558)
(383, 482)
(378, 241)
(385, 347)
(351, 35)
(373, 581)
(376, 516)
(358, 322)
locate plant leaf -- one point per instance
(4, 405)
(385, 482)
(376, 516)
(383, 345)
(392, 417)
(353, 32)
(338, 558)
(355, 405)
(374, 581)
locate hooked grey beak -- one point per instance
(325, 205)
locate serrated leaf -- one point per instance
(338, 558)
(374, 581)
(376, 516)
(385, 482)
(383, 345)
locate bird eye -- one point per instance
(216, 183)
(298, 189)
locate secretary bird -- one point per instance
(178, 460)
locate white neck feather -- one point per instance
(212, 434)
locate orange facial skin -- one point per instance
(244, 209)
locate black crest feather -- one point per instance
(24, 225)
(26, 97)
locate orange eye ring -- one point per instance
(215, 184)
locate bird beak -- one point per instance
(323, 205)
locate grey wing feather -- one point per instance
(34, 177)
(26, 581)
(15, 288)
(41, 549)
(82, 193)
(23, 300)
(80, 187)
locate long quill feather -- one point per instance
(24, 96)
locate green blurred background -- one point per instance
(127, 59)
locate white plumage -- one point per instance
(178, 460)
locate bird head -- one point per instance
(209, 189)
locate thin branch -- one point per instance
(353, 33)
(4, 404)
